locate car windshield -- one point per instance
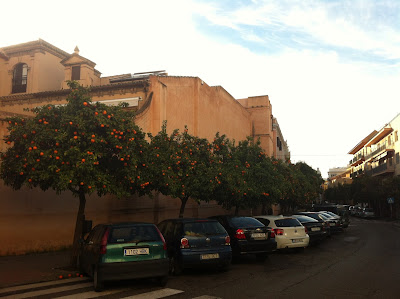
(287, 222)
(245, 222)
(133, 234)
(203, 228)
(305, 219)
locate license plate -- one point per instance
(297, 240)
(313, 229)
(209, 256)
(136, 251)
(258, 236)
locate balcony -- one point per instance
(378, 150)
(357, 160)
(356, 173)
(384, 168)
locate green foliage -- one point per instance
(81, 147)
(180, 165)
(244, 175)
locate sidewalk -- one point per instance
(31, 268)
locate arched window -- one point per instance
(20, 78)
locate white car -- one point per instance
(289, 232)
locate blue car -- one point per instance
(195, 242)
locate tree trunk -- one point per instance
(183, 204)
(78, 234)
(264, 209)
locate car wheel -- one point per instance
(175, 267)
(97, 282)
(162, 281)
(225, 267)
(261, 257)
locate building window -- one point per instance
(20, 76)
(76, 73)
(396, 136)
(397, 158)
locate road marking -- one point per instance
(93, 294)
(155, 294)
(41, 284)
(50, 291)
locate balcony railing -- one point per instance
(384, 168)
(378, 150)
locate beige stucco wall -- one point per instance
(203, 109)
(260, 110)
(44, 72)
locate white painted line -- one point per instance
(42, 284)
(155, 294)
(92, 294)
(50, 291)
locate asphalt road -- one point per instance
(362, 262)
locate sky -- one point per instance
(331, 68)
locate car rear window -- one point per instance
(305, 219)
(133, 234)
(203, 228)
(245, 222)
(287, 222)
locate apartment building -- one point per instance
(378, 153)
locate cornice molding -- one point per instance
(63, 93)
(31, 47)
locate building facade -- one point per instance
(35, 73)
(378, 153)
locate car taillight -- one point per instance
(240, 234)
(279, 231)
(323, 227)
(272, 233)
(184, 243)
(162, 239)
(227, 240)
(306, 230)
(104, 240)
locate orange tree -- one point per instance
(238, 180)
(300, 185)
(180, 166)
(81, 147)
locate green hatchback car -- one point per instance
(124, 251)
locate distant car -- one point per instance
(248, 236)
(367, 213)
(289, 232)
(335, 223)
(194, 242)
(320, 218)
(315, 229)
(117, 251)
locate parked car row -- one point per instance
(142, 250)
